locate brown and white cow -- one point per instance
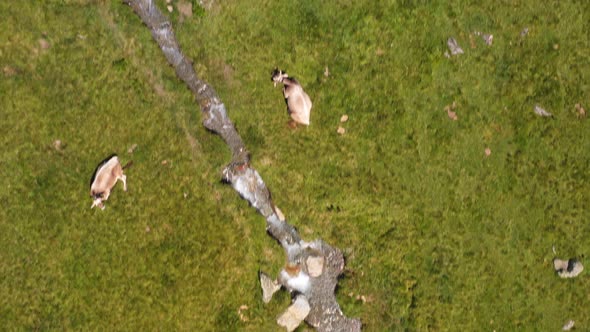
(298, 102)
(105, 176)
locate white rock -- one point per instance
(454, 46)
(295, 314)
(568, 325)
(315, 265)
(269, 287)
(541, 111)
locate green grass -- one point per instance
(437, 235)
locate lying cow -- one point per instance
(298, 102)
(104, 179)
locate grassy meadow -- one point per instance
(447, 225)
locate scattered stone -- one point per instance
(524, 32)
(58, 145)
(268, 285)
(452, 115)
(44, 44)
(295, 314)
(542, 112)
(569, 268)
(147, 229)
(344, 118)
(450, 111)
(81, 36)
(487, 38)
(341, 130)
(170, 8)
(243, 317)
(315, 265)
(581, 111)
(185, 9)
(132, 148)
(326, 72)
(164, 162)
(168, 1)
(185, 195)
(488, 152)
(454, 46)
(568, 325)
(556, 46)
(9, 71)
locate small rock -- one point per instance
(9, 71)
(450, 111)
(452, 115)
(488, 152)
(185, 8)
(268, 285)
(170, 8)
(44, 44)
(57, 144)
(315, 265)
(132, 148)
(567, 268)
(147, 229)
(454, 46)
(344, 118)
(295, 314)
(164, 162)
(487, 38)
(568, 325)
(524, 32)
(581, 111)
(341, 130)
(243, 317)
(185, 195)
(326, 72)
(541, 111)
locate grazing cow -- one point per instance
(298, 102)
(104, 179)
